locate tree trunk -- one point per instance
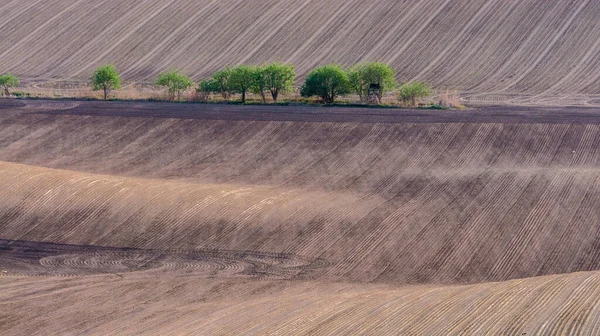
(262, 96)
(6, 91)
(243, 96)
(105, 92)
(274, 93)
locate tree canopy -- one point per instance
(175, 82)
(242, 79)
(327, 82)
(374, 77)
(106, 78)
(8, 81)
(279, 78)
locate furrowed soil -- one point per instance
(129, 218)
(541, 52)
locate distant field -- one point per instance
(256, 219)
(540, 51)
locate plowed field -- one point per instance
(128, 218)
(538, 51)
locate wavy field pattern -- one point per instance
(540, 51)
(223, 219)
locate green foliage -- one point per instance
(376, 77)
(106, 78)
(259, 83)
(242, 79)
(221, 82)
(410, 92)
(8, 81)
(175, 82)
(278, 78)
(327, 82)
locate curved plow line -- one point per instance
(561, 323)
(27, 38)
(497, 200)
(397, 309)
(585, 145)
(323, 27)
(430, 18)
(436, 312)
(582, 310)
(367, 245)
(474, 19)
(365, 145)
(400, 24)
(422, 308)
(548, 47)
(430, 222)
(22, 10)
(124, 18)
(269, 150)
(248, 142)
(167, 39)
(534, 219)
(480, 137)
(505, 65)
(232, 45)
(480, 42)
(590, 79)
(485, 298)
(545, 52)
(593, 51)
(594, 325)
(309, 166)
(538, 301)
(125, 36)
(219, 19)
(274, 31)
(72, 26)
(325, 51)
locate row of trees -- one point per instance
(370, 81)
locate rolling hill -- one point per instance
(539, 51)
(264, 220)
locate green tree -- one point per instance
(242, 78)
(327, 82)
(8, 81)
(279, 78)
(221, 83)
(106, 78)
(175, 82)
(410, 92)
(259, 84)
(376, 77)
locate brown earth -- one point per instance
(526, 52)
(128, 218)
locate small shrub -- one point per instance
(175, 82)
(327, 82)
(450, 99)
(8, 81)
(411, 92)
